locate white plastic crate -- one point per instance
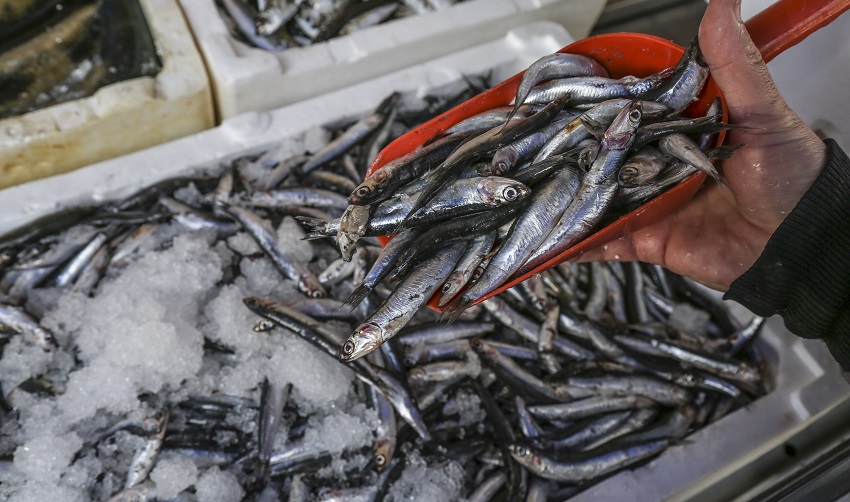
(806, 381)
(250, 79)
(814, 76)
(119, 118)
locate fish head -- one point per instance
(156, 424)
(360, 193)
(450, 288)
(654, 109)
(383, 453)
(523, 455)
(501, 191)
(310, 286)
(366, 338)
(481, 347)
(621, 134)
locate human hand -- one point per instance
(720, 233)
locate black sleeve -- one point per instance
(804, 272)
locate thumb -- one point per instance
(737, 66)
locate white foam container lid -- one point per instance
(807, 381)
(251, 79)
(119, 118)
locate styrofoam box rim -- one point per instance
(239, 72)
(807, 379)
(182, 74)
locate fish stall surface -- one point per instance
(53, 51)
(276, 25)
(183, 343)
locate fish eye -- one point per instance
(446, 287)
(510, 193)
(348, 348)
(634, 115)
(380, 460)
(363, 191)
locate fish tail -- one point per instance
(317, 228)
(722, 152)
(357, 296)
(455, 308)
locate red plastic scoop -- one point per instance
(777, 28)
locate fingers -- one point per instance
(737, 67)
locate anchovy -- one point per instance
(442, 371)
(590, 406)
(318, 336)
(17, 319)
(491, 118)
(144, 460)
(745, 336)
(397, 173)
(685, 149)
(638, 420)
(685, 82)
(440, 333)
(530, 331)
(352, 226)
(243, 17)
(397, 310)
(484, 142)
(489, 488)
(710, 124)
(72, 270)
(272, 401)
(300, 196)
(508, 157)
(592, 89)
(383, 265)
(526, 235)
(266, 237)
(193, 219)
(595, 119)
(642, 167)
(475, 252)
(588, 432)
(556, 66)
(351, 137)
(517, 377)
(596, 193)
(385, 432)
(584, 467)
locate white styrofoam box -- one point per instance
(119, 118)
(250, 79)
(805, 379)
(814, 75)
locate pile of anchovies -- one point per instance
(275, 25)
(506, 191)
(581, 371)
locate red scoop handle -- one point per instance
(786, 23)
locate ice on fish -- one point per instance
(243, 243)
(423, 483)
(173, 474)
(289, 239)
(343, 430)
(45, 458)
(216, 485)
(140, 333)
